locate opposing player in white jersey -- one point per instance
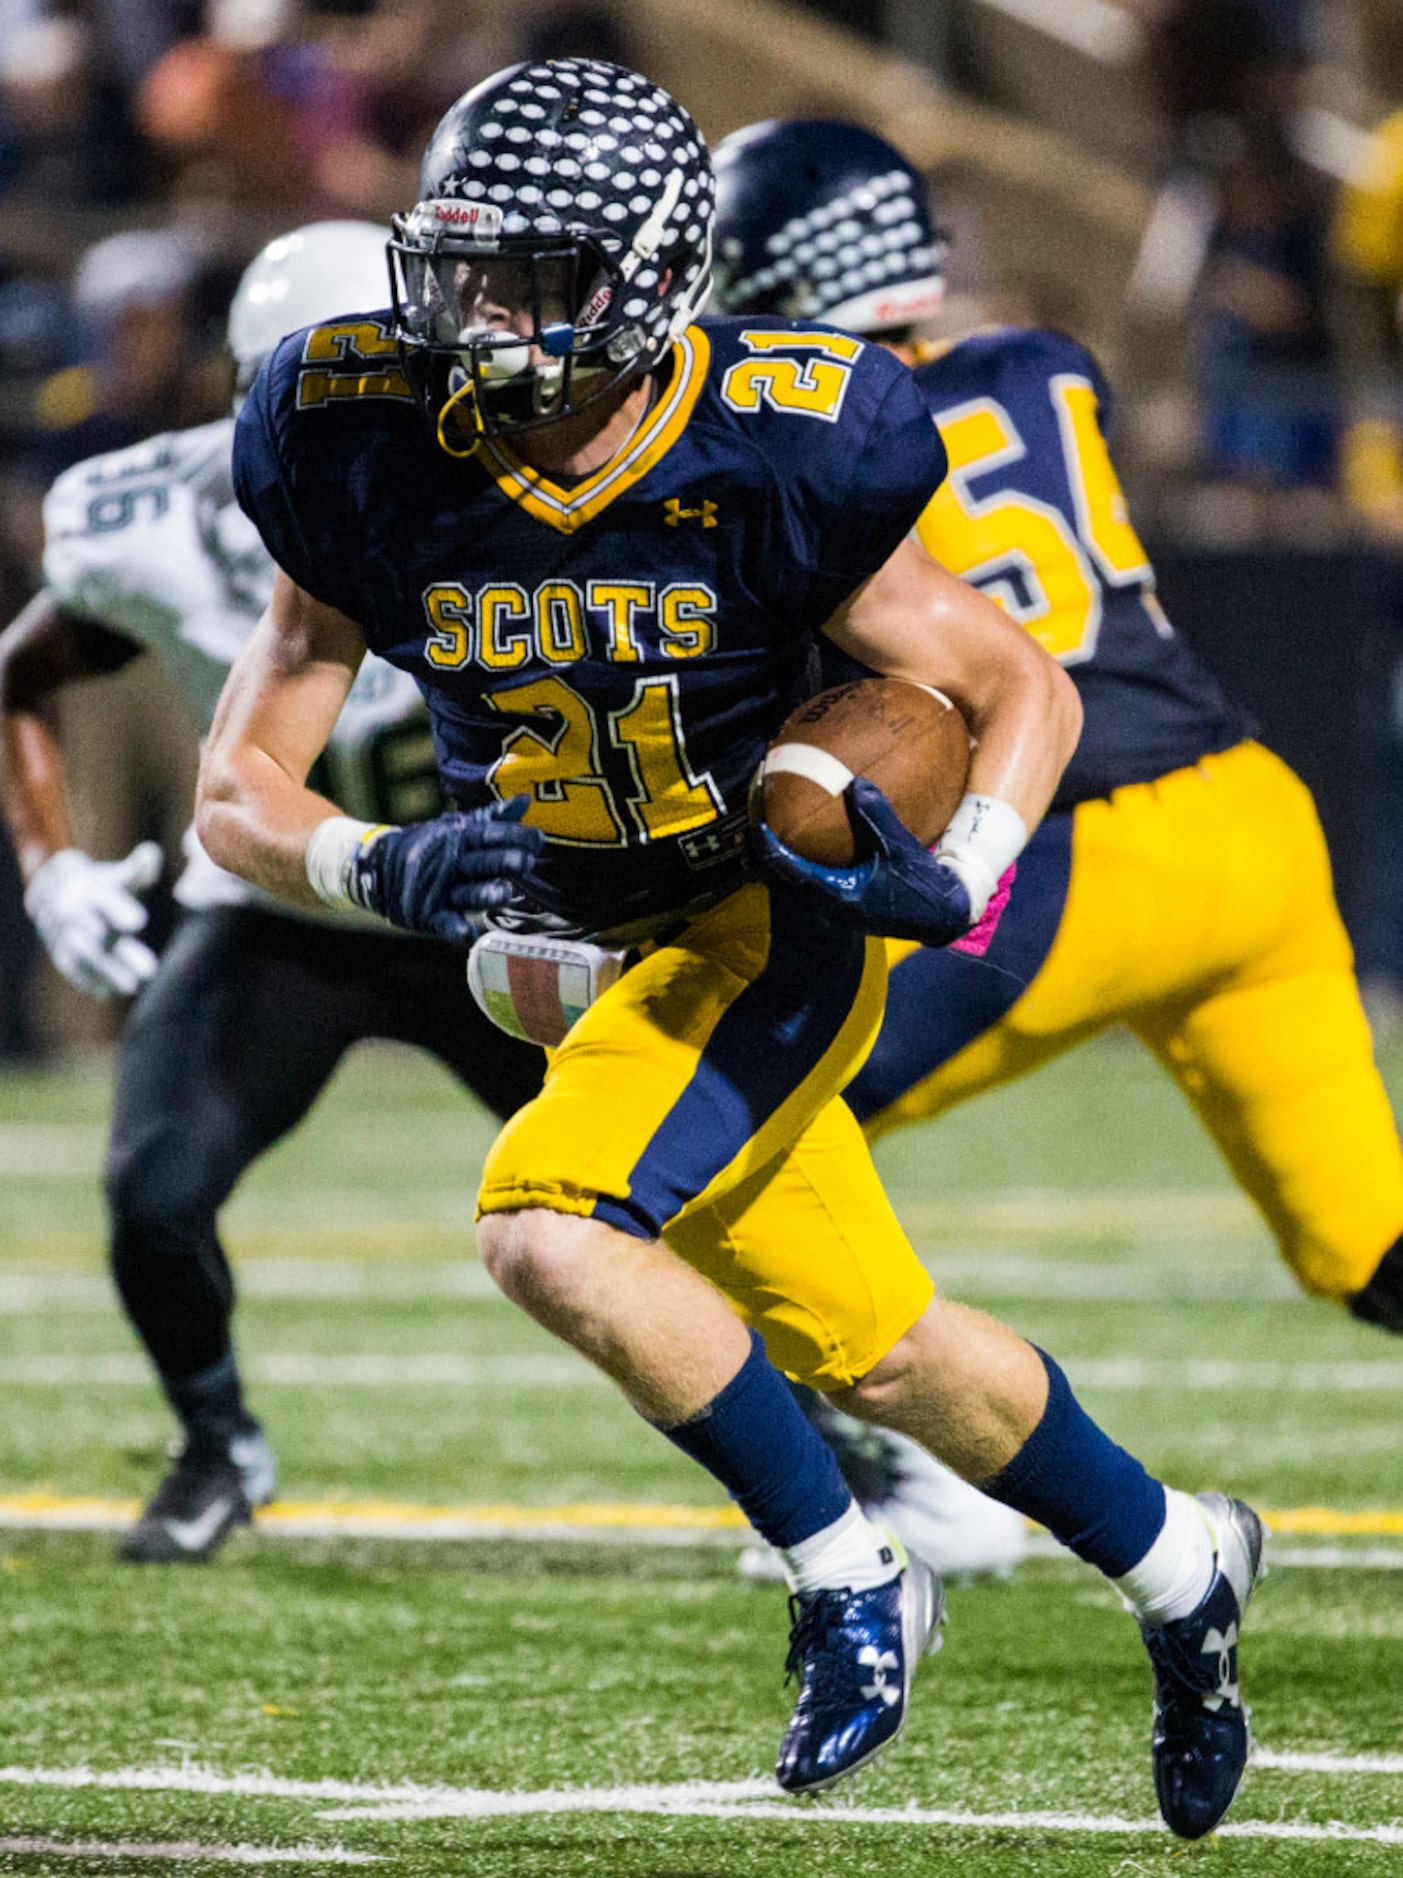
(241, 1022)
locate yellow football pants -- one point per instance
(1200, 913)
(698, 1100)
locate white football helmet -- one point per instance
(300, 279)
(139, 267)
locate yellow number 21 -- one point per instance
(814, 386)
(557, 756)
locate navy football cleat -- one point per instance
(854, 1653)
(1201, 1739)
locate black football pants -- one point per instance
(226, 1050)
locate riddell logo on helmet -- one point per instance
(598, 304)
(483, 218)
(906, 306)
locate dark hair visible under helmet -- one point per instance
(819, 219)
(561, 241)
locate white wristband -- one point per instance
(985, 837)
(331, 852)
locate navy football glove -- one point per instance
(897, 888)
(434, 876)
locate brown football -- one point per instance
(908, 739)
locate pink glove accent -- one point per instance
(976, 940)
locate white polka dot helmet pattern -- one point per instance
(824, 220)
(594, 185)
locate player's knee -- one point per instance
(541, 1260)
(885, 1392)
(1381, 1300)
(505, 1246)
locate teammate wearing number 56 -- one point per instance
(242, 1021)
(1180, 885)
(608, 557)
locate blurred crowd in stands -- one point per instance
(1284, 272)
(149, 147)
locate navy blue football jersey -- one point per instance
(1032, 513)
(620, 647)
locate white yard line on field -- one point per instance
(457, 1369)
(370, 1369)
(332, 1281)
(1191, 1214)
(994, 1272)
(50, 1150)
(1360, 1558)
(187, 1850)
(1214, 1373)
(733, 1800)
(258, 1784)
(1167, 1273)
(1291, 1763)
(1159, 1217)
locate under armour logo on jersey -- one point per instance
(718, 843)
(675, 513)
(882, 1664)
(1215, 1643)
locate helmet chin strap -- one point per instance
(465, 395)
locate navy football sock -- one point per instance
(1073, 1479)
(753, 1438)
(210, 1403)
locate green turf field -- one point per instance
(542, 1703)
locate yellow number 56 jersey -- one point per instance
(1032, 513)
(1180, 887)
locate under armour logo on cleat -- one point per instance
(675, 513)
(882, 1664)
(1216, 1643)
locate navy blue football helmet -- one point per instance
(561, 240)
(818, 219)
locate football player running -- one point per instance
(606, 558)
(1179, 884)
(240, 1024)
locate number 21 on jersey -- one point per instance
(1046, 565)
(557, 756)
(814, 384)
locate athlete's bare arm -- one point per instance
(40, 653)
(913, 619)
(253, 810)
